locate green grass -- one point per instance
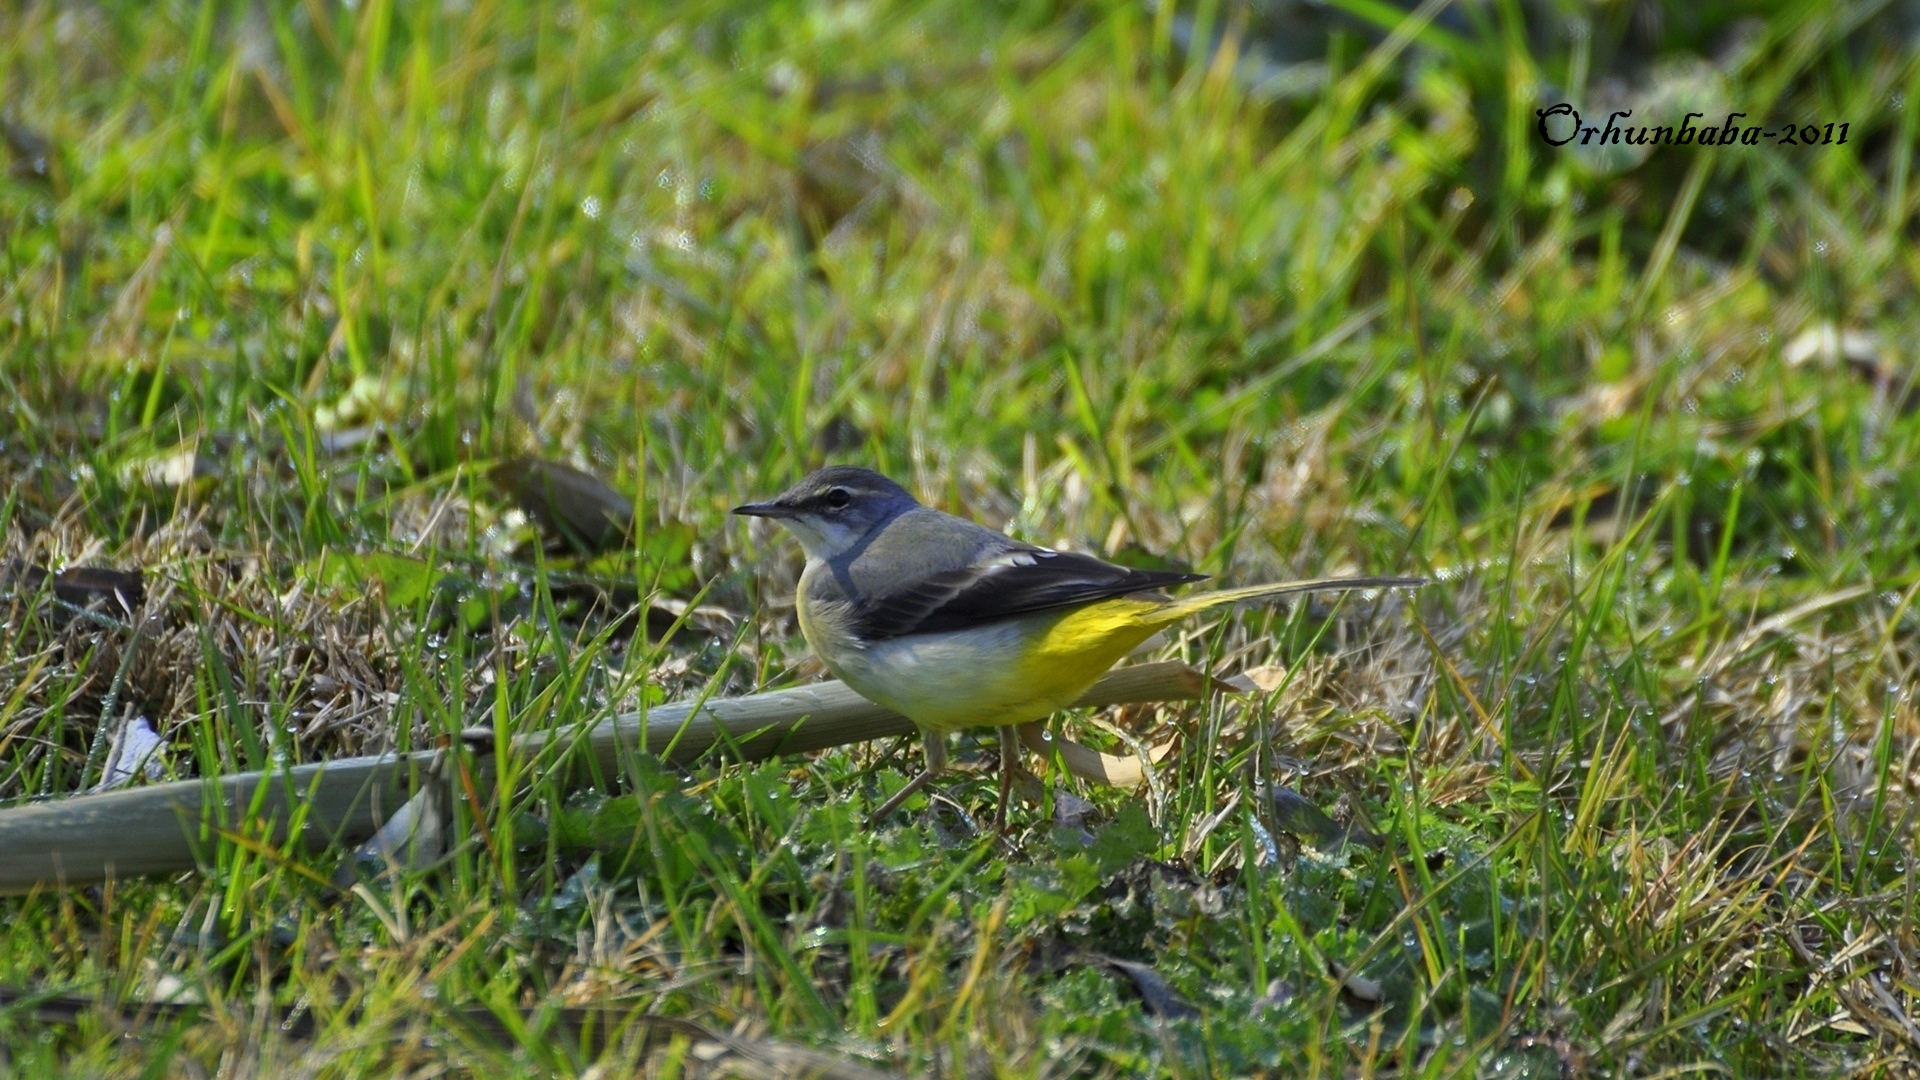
(1641, 761)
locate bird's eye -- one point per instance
(837, 498)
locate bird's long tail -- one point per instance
(1180, 608)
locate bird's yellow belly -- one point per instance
(1003, 673)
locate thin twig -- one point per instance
(163, 828)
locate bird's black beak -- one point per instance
(764, 509)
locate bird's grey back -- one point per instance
(923, 571)
(934, 543)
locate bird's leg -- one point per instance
(1009, 761)
(936, 750)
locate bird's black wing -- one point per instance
(1016, 581)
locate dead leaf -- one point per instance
(32, 156)
(1865, 356)
(1829, 345)
(1084, 761)
(573, 508)
(1357, 989)
(1156, 993)
(1570, 1059)
(708, 618)
(1279, 992)
(1070, 811)
(841, 181)
(1266, 677)
(121, 591)
(178, 467)
(1292, 813)
(136, 751)
(414, 838)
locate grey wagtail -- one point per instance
(953, 625)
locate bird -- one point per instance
(955, 625)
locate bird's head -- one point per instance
(834, 508)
